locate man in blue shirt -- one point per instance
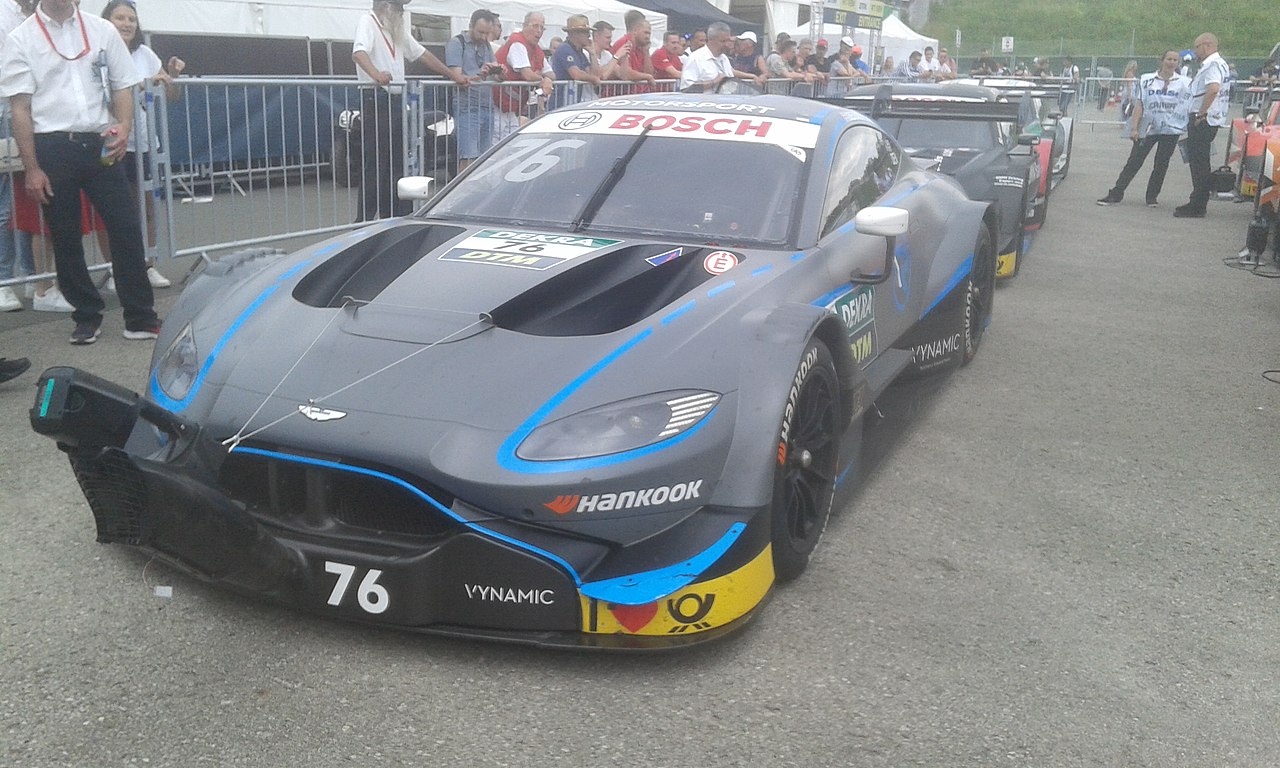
(572, 62)
(470, 56)
(1159, 118)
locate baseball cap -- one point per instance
(822, 43)
(857, 49)
(847, 41)
(748, 36)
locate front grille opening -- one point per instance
(325, 499)
(116, 493)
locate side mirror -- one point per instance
(885, 222)
(415, 188)
(1028, 139)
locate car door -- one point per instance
(864, 172)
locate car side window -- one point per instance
(864, 167)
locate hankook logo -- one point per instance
(579, 120)
(316, 413)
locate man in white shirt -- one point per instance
(70, 80)
(709, 65)
(381, 47)
(10, 17)
(1207, 112)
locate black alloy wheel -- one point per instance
(807, 455)
(981, 294)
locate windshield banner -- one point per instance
(719, 127)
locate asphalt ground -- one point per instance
(1066, 555)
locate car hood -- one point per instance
(444, 324)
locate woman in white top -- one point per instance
(124, 16)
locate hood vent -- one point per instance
(368, 266)
(607, 293)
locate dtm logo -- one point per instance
(608, 502)
(580, 120)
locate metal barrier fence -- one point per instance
(242, 162)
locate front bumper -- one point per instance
(299, 531)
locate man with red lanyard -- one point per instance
(522, 59)
(70, 82)
(381, 47)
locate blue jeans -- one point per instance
(12, 244)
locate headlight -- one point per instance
(179, 366)
(619, 427)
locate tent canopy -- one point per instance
(898, 39)
(336, 19)
(690, 15)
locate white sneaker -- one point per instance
(9, 300)
(110, 285)
(157, 280)
(51, 301)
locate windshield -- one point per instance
(941, 134)
(704, 190)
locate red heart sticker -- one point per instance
(633, 618)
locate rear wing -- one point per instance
(884, 103)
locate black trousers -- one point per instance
(1138, 155)
(382, 159)
(1199, 142)
(72, 163)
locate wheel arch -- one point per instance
(775, 341)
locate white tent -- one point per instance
(336, 19)
(898, 39)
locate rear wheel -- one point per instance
(808, 452)
(981, 293)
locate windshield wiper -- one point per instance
(607, 184)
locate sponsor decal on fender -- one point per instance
(1016, 182)
(934, 353)
(610, 502)
(857, 310)
(697, 607)
(1006, 263)
(719, 262)
(490, 594)
(523, 250)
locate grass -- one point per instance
(1245, 28)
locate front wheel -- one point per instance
(981, 293)
(808, 452)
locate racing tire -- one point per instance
(1020, 252)
(980, 295)
(804, 478)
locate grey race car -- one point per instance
(971, 134)
(603, 390)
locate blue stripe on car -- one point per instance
(648, 586)
(158, 395)
(508, 460)
(720, 288)
(677, 312)
(960, 274)
(417, 492)
(633, 589)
